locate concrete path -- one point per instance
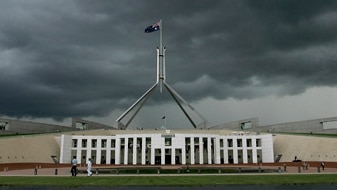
(65, 171)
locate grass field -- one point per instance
(167, 180)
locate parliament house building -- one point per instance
(168, 147)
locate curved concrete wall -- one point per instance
(37, 148)
(305, 148)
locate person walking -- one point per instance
(89, 165)
(74, 167)
(323, 165)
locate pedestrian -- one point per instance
(323, 165)
(89, 165)
(74, 167)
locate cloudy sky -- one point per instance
(230, 59)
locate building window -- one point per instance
(93, 143)
(148, 142)
(258, 142)
(103, 145)
(188, 144)
(187, 141)
(196, 141)
(130, 142)
(239, 142)
(113, 143)
(122, 143)
(74, 144)
(230, 142)
(168, 141)
(139, 143)
(221, 142)
(204, 141)
(249, 142)
(84, 143)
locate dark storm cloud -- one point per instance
(86, 58)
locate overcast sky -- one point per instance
(230, 59)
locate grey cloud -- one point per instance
(83, 58)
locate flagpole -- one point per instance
(161, 77)
(161, 36)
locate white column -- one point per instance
(201, 151)
(209, 150)
(254, 151)
(126, 151)
(235, 151)
(173, 156)
(244, 150)
(99, 151)
(225, 151)
(118, 151)
(183, 152)
(108, 151)
(89, 148)
(134, 150)
(79, 151)
(217, 151)
(152, 154)
(162, 156)
(143, 150)
(192, 151)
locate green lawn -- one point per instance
(195, 180)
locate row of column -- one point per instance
(214, 155)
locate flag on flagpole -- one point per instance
(153, 28)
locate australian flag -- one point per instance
(153, 27)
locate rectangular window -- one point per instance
(103, 143)
(130, 143)
(113, 143)
(74, 144)
(204, 141)
(196, 141)
(122, 143)
(249, 142)
(188, 144)
(258, 143)
(239, 142)
(230, 142)
(148, 142)
(139, 143)
(168, 141)
(93, 143)
(84, 143)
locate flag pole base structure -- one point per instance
(183, 105)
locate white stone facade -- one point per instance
(168, 148)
